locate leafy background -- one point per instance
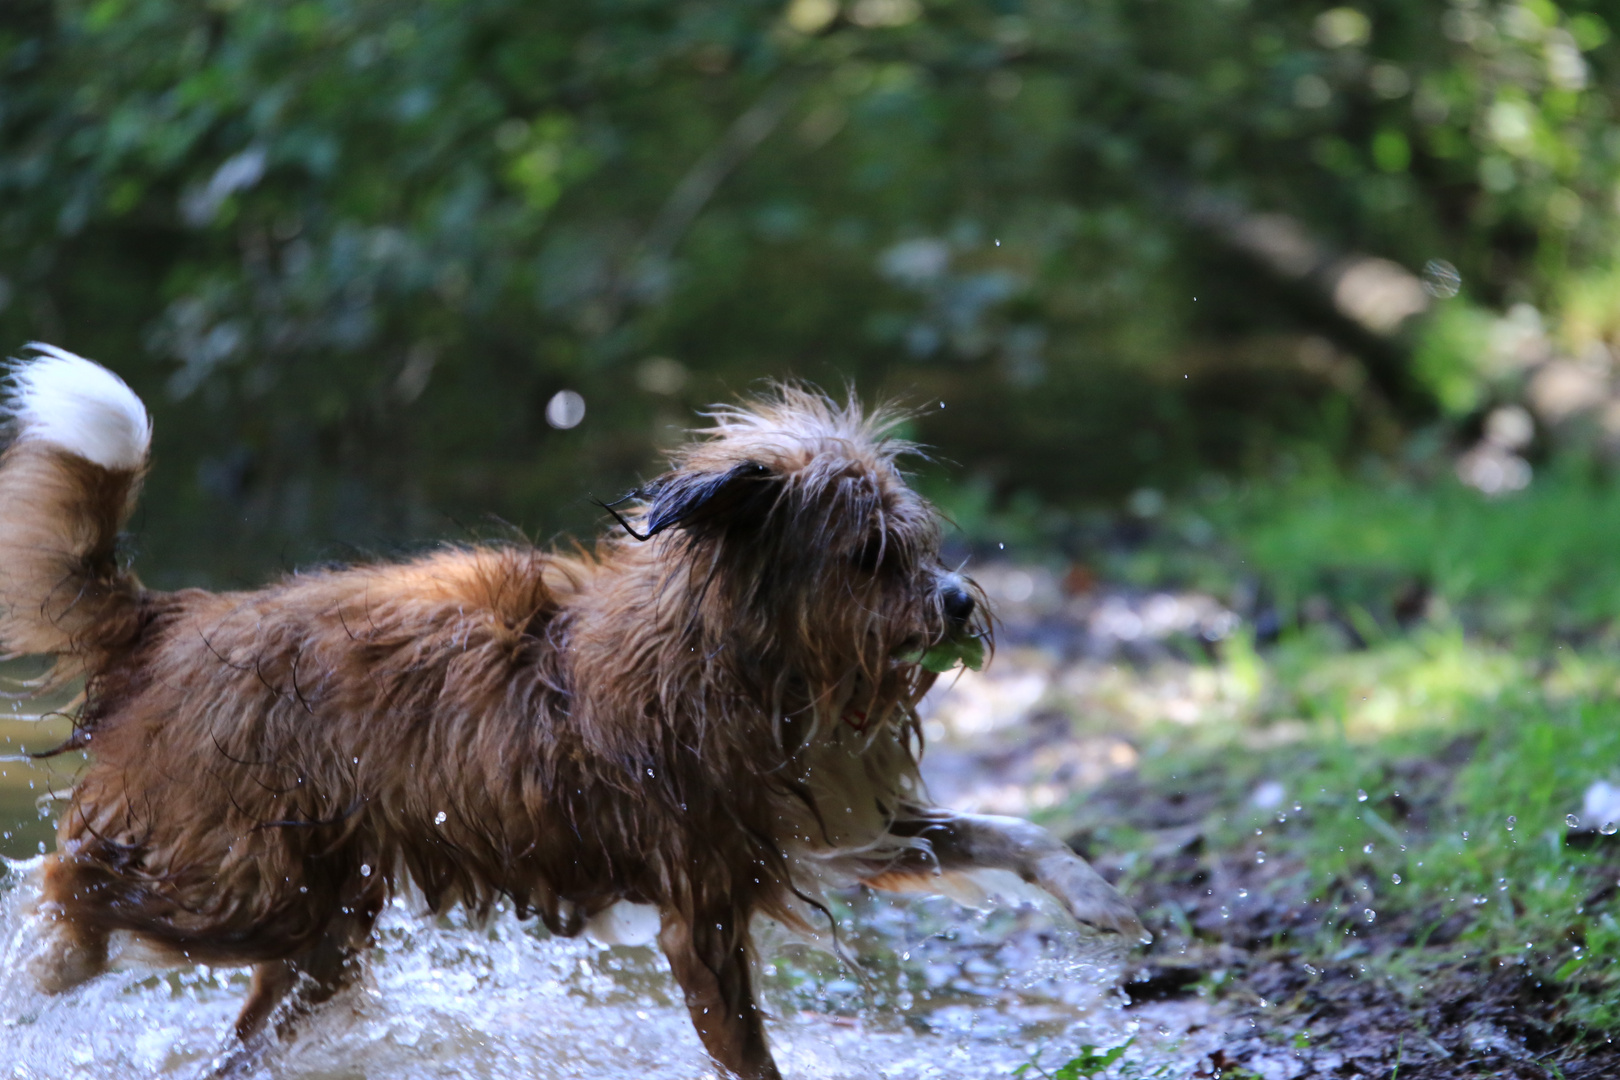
(1300, 315)
(349, 250)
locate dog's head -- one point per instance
(803, 550)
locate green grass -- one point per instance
(1530, 570)
(1092, 1063)
(1406, 756)
(1424, 777)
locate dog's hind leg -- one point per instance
(68, 948)
(65, 954)
(709, 959)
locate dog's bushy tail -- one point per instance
(69, 477)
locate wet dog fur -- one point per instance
(711, 713)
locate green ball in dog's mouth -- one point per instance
(967, 650)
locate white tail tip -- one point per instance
(77, 405)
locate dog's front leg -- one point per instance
(297, 986)
(709, 959)
(969, 841)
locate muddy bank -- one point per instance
(1298, 974)
(1297, 965)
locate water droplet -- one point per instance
(1299, 809)
(1608, 828)
(1361, 796)
(1226, 912)
(1481, 901)
(1511, 821)
(1465, 834)
(650, 774)
(365, 869)
(1243, 894)
(1572, 821)
(1396, 878)
(1259, 832)
(565, 409)
(1371, 915)
(1259, 856)
(1440, 279)
(1367, 849)
(438, 819)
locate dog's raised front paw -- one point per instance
(1089, 898)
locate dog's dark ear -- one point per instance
(706, 500)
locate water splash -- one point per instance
(949, 995)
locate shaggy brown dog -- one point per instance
(713, 715)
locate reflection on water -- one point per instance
(27, 823)
(949, 994)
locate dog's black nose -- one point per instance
(957, 603)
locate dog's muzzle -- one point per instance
(957, 604)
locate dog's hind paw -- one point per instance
(60, 955)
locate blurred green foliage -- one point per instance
(350, 249)
(1537, 561)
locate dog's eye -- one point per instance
(871, 555)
